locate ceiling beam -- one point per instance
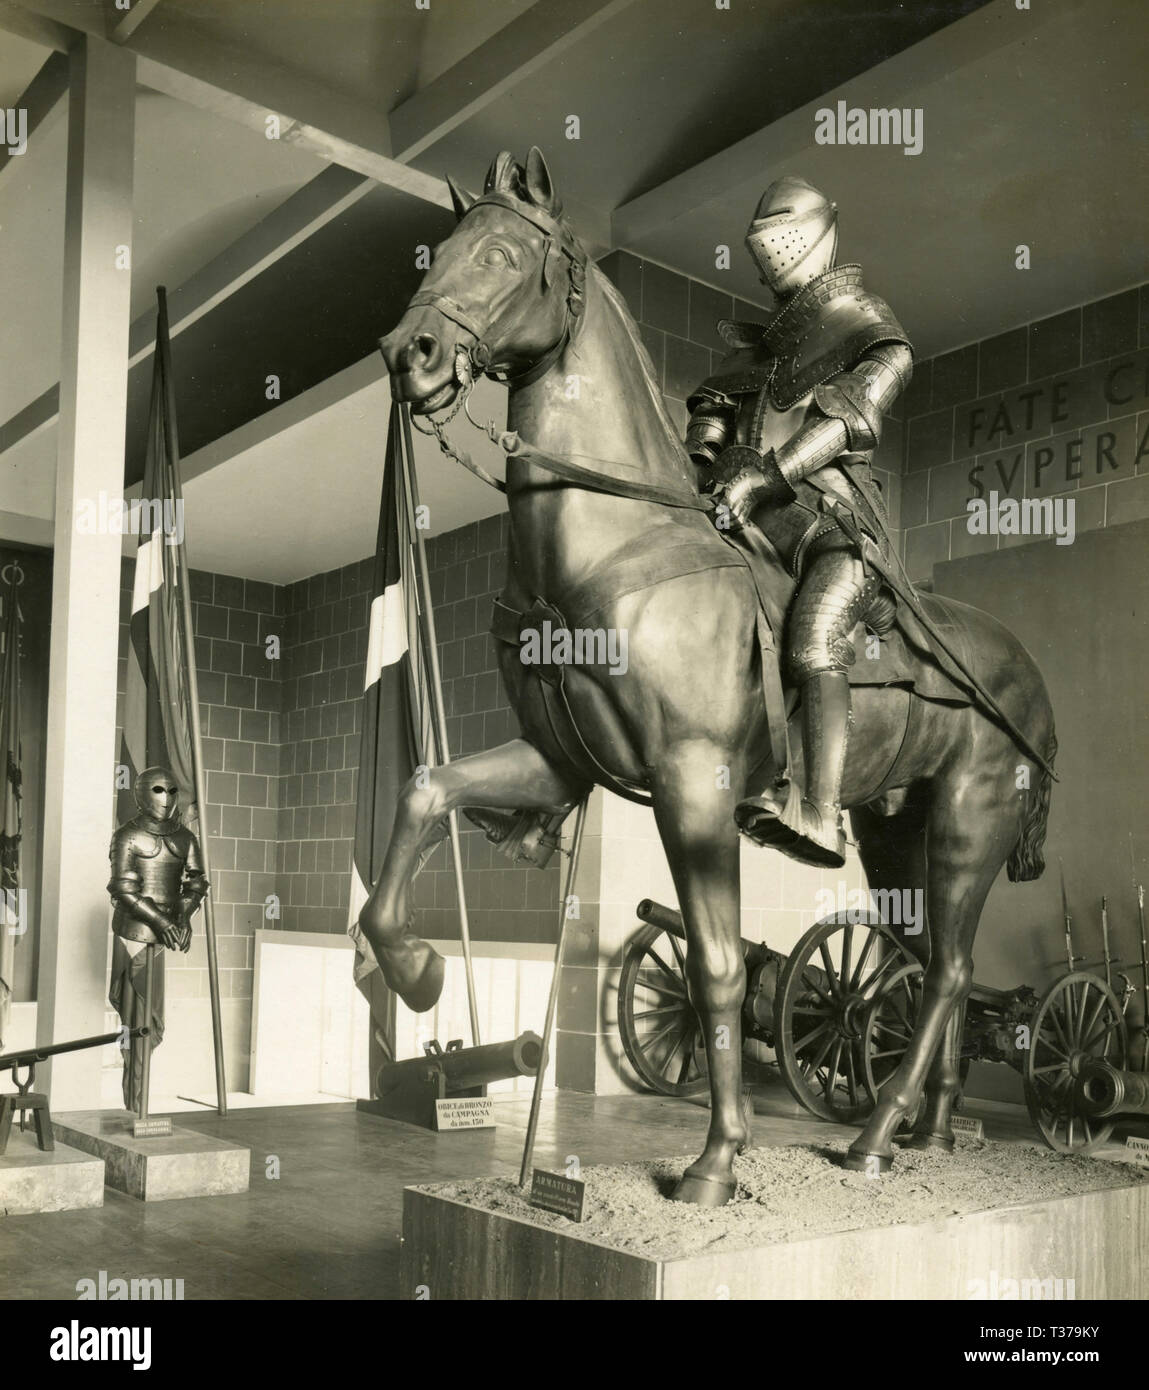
(122, 24)
(317, 203)
(38, 28)
(517, 52)
(178, 59)
(890, 83)
(43, 100)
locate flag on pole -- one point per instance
(396, 736)
(12, 921)
(157, 714)
(157, 724)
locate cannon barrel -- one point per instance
(1102, 1090)
(465, 1067)
(670, 920)
(30, 1055)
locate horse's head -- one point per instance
(501, 296)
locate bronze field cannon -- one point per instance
(409, 1090)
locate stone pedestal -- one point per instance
(182, 1164)
(1091, 1243)
(33, 1181)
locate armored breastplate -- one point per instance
(160, 872)
(824, 329)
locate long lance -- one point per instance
(1140, 887)
(900, 582)
(552, 998)
(1105, 941)
(905, 590)
(1069, 956)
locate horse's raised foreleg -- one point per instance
(694, 808)
(513, 775)
(968, 835)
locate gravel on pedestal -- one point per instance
(800, 1192)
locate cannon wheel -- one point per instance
(820, 1012)
(661, 1033)
(1078, 1017)
(889, 1026)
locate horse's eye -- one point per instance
(495, 255)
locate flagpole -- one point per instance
(411, 495)
(163, 357)
(552, 996)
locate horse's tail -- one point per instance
(1026, 861)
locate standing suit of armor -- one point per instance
(157, 883)
(787, 428)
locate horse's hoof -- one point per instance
(915, 1140)
(415, 972)
(703, 1191)
(869, 1164)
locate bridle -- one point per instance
(476, 360)
(479, 353)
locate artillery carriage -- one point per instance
(840, 1010)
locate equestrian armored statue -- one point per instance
(157, 884)
(784, 433)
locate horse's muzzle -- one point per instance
(420, 357)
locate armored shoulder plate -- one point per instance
(823, 330)
(743, 373)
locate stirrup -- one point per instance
(787, 822)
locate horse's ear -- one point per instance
(462, 200)
(503, 175)
(539, 186)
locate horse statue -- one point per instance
(607, 523)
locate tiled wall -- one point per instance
(1055, 408)
(324, 652)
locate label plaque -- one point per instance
(474, 1113)
(553, 1192)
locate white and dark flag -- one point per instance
(11, 816)
(157, 718)
(396, 735)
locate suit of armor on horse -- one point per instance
(786, 430)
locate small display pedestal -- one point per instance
(181, 1164)
(61, 1179)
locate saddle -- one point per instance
(903, 654)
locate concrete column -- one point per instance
(80, 751)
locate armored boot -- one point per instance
(809, 828)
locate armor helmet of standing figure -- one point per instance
(793, 236)
(157, 793)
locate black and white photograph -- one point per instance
(573, 649)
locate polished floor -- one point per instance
(329, 1225)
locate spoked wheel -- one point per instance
(824, 992)
(661, 1033)
(1078, 1019)
(889, 1026)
